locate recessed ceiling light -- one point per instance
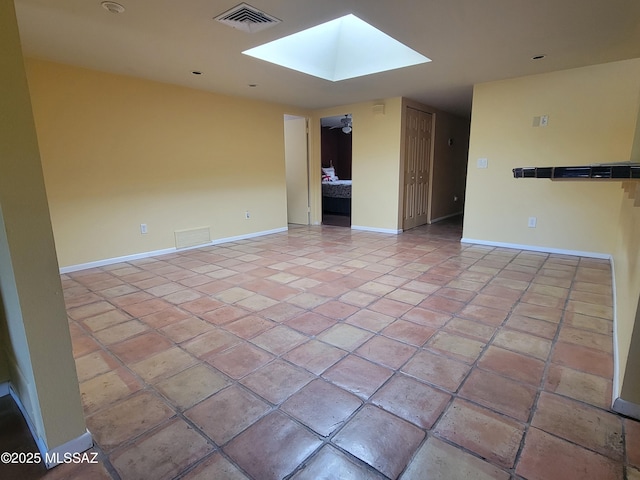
(346, 47)
(538, 57)
(112, 7)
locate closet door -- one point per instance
(417, 162)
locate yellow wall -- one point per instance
(35, 335)
(375, 163)
(4, 366)
(175, 158)
(592, 119)
(627, 277)
(118, 152)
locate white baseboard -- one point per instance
(374, 229)
(616, 388)
(165, 251)
(535, 248)
(68, 450)
(54, 456)
(626, 408)
(439, 219)
(111, 261)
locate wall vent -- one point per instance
(247, 18)
(192, 237)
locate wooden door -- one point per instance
(417, 162)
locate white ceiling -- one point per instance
(469, 41)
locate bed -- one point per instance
(336, 197)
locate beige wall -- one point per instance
(35, 335)
(4, 366)
(627, 276)
(627, 279)
(174, 158)
(375, 163)
(118, 152)
(592, 115)
(592, 119)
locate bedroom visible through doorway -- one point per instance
(335, 152)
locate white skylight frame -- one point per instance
(344, 48)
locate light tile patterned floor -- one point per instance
(330, 353)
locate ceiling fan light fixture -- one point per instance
(112, 7)
(346, 129)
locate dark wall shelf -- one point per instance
(623, 171)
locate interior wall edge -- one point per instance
(616, 387)
(50, 456)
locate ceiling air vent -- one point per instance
(247, 18)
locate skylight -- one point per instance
(346, 47)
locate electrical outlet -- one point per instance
(247, 215)
(143, 228)
(532, 222)
(541, 121)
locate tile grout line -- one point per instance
(539, 389)
(395, 371)
(455, 395)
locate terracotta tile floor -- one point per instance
(326, 353)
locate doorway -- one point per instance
(417, 167)
(336, 157)
(296, 154)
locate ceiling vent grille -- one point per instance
(247, 18)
